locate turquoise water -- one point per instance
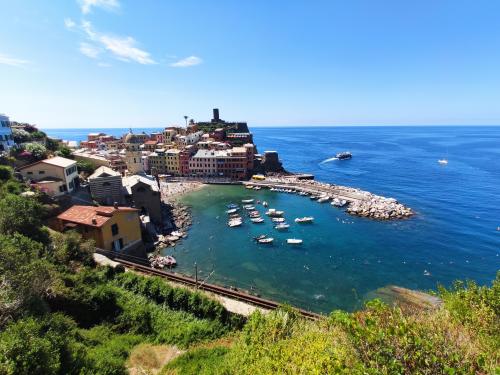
(453, 234)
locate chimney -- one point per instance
(94, 221)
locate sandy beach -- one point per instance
(173, 190)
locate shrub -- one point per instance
(5, 173)
(37, 150)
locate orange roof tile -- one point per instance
(91, 215)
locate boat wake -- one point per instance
(329, 160)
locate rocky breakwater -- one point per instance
(177, 220)
(377, 207)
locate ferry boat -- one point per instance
(294, 241)
(304, 220)
(343, 155)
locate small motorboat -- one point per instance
(274, 213)
(282, 226)
(257, 220)
(234, 223)
(260, 237)
(323, 199)
(247, 201)
(313, 197)
(443, 161)
(249, 186)
(232, 205)
(265, 204)
(267, 240)
(234, 216)
(278, 219)
(257, 188)
(343, 155)
(249, 208)
(304, 220)
(338, 203)
(294, 241)
(232, 211)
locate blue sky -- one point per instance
(117, 63)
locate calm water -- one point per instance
(343, 259)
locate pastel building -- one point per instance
(55, 176)
(172, 161)
(112, 228)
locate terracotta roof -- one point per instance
(150, 142)
(91, 215)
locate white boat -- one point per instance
(257, 188)
(232, 211)
(267, 240)
(234, 223)
(305, 219)
(257, 220)
(338, 203)
(247, 201)
(443, 161)
(265, 204)
(323, 199)
(282, 226)
(278, 219)
(249, 208)
(274, 213)
(294, 241)
(249, 186)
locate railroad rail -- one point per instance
(216, 289)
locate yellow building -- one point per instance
(111, 228)
(173, 165)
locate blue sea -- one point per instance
(344, 259)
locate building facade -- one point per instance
(111, 228)
(59, 174)
(6, 139)
(106, 186)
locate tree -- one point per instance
(37, 150)
(68, 247)
(64, 151)
(25, 276)
(22, 215)
(85, 166)
(21, 135)
(5, 173)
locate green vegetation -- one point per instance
(62, 314)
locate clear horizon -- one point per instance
(119, 63)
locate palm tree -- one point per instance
(186, 118)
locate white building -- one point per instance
(6, 139)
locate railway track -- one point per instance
(231, 293)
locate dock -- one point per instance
(359, 202)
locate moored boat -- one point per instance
(282, 226)
(247, 201)
(232, 211)
(338, 202)
(304, 220)
(274, 213)
(323, 199)
(257, 220)
(294, 241)
(278, 219)
(267, 240)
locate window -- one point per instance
(114, 229)
(41, 172)
(30, 173)
(71, 185)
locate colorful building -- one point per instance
(112, 228)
